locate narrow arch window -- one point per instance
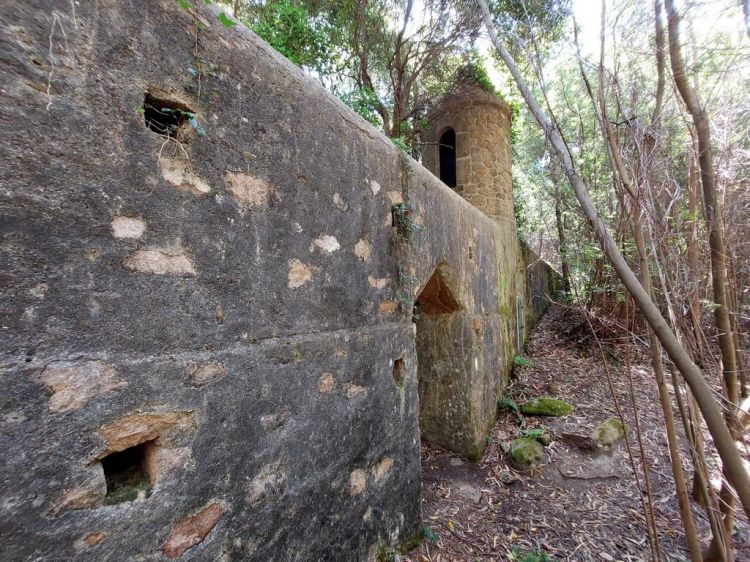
(448, 157)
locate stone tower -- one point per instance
(468, 147)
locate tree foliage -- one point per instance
(390, 60)
(304, 39)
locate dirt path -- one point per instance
(580, 505)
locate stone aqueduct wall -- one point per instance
(230, 315)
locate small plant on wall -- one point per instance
(403, 220)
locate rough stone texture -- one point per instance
(500, 288)
(191, 530)
(543, 284)
(128, 227)
(176, 171)
(223, 274)
(249, 191)
(206, 373)
(75, 383)
(160, 262)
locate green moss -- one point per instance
(127, 491)
(388, 553)
(540, 434)
(546, 407)
(609, 432)
(475, 452)
(412, 542)
(526, 453)
(545, 439)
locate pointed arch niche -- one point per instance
(440, 356)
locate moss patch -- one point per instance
(388, 553)
(545, 439)
(475, 452)
(546, 407)
(412, 542)
(127, 490)
(609, 432)
(526, 453)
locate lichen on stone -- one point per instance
(609, 432)
(526, 453)
(547, 407)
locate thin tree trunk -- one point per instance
(734, 308)
(713, 215)
(621, 172)
(702, 492)
(695, 274)
(683, 498)
(717, 248)
(694, 268)
(711, 410)
(561, 237)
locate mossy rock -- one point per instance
(526, 453)
(540, 434)
(609, 432)
(545, 439)
(546, 407)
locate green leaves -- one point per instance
(226, 21)
(401, 143)
(363, 101)
(520, 361)
(533, 433)
(509, 404)
(293, 31)
(430, 534)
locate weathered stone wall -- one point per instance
(464, 358)
(227, 313)
(543, 285)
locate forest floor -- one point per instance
(580, 505)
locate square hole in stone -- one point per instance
(165, 116)
(126, 473)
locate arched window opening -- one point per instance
(448, 157)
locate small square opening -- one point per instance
(399, 371)
(164, 116)
(126, 474)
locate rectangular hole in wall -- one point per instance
(399, 371)
(126, 474)
(165, 116)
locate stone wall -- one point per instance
(209, 348)
(544, 284)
